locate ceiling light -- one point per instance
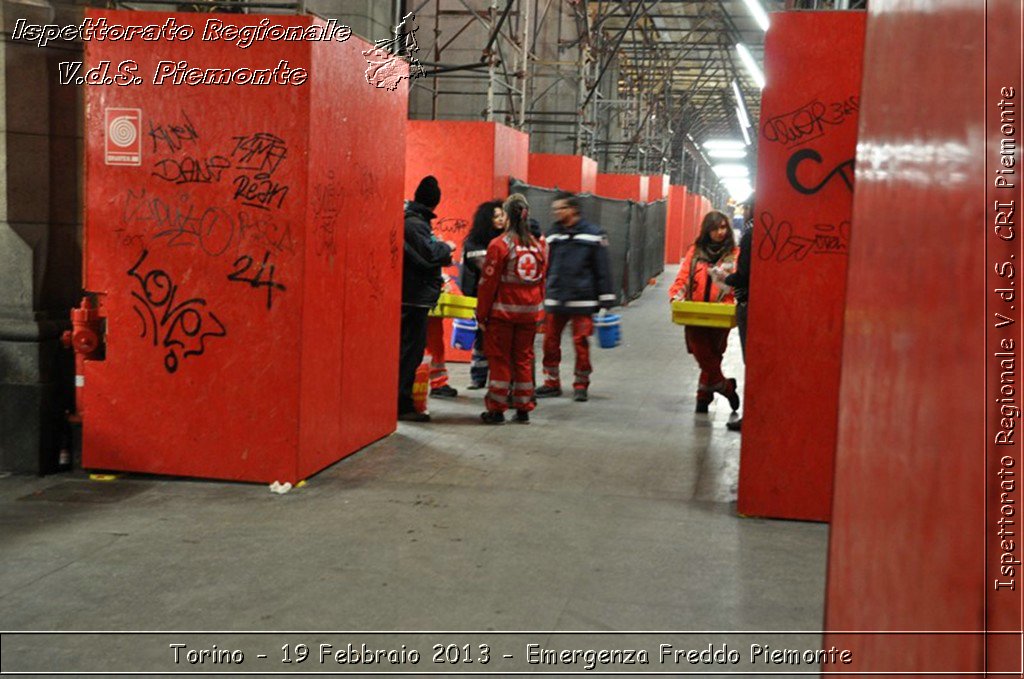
(730, 170)
(740, 104)
(734, 144)
(758, 13)
(744, 124)
(727, 153)
(752, 68)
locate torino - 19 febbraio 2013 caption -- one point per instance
(1005, 185)
(466, 656)
(179, 72)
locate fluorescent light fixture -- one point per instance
(727, 153)
(734, 144)
(743, 127)
(740, 105)
(739, 192)
(752, 68)
(758, 13)
(730, 170)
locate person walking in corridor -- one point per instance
(424, 255)
(706, 264)
(511, 296)
(579, 283)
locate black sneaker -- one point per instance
(414, 416)
(734, 425)
(523, 416)
(702, 407)
(476, 385)
(579, 395)
(547, 392)
(444, 391)
(492, 417)
(733, 395)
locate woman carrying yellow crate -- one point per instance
(708, 261)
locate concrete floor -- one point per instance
(612, 515)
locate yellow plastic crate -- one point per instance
(706, 314)
(450, 305)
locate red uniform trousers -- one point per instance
(435, 347)
(509, 349)
(708, 346)
(582, 328)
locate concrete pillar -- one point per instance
(40, 238)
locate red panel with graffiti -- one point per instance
(622, 186)
(203, 237)
(354, 178)
(472, 162)
(691, 220)
(674, 226)
(577, 174)
(798, 271)
(923, 494)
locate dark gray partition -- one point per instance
(613, 216)
(635, 258)
(654, 249)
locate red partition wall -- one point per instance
(472, 162)
(237, 259)
(922, 480)
(569, 173)
(798, 271)
(692, 218)
(657, 187)
(622, 186)
(674, 226)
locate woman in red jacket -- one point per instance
(510, 299)
(711, 257)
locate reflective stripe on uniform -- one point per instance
(517, 308)
(581, 303)
(498, 384)
(588, 237)
(476, 253)
(606, 298)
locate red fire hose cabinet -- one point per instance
(242, 238)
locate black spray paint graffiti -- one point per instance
(213, 230)
(778, 241)
(183, 224)
(843, 170)
(393, 247)
(261, 277)
(179, 326)
(190, 170)
(173, 136)
(261, 153)
(809, 122)
(450, 226)
(326, 208)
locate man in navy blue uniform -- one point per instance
(579, 283)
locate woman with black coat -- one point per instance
(489, 222)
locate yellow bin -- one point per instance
(707, 314)
(450, 305)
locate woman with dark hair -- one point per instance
(706, 264)
(488, 224)
(510, 299)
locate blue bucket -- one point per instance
(463, 333)
(609, 330)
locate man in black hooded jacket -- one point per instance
(423, 259)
